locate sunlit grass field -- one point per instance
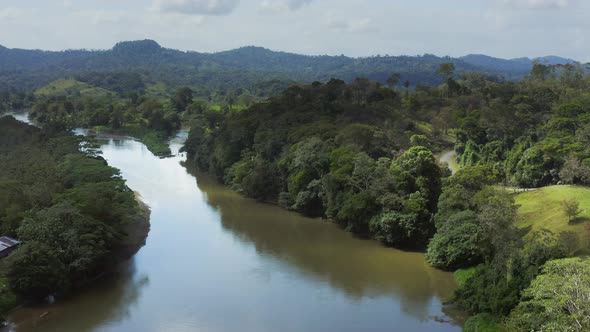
(69, 87)
(542, 208)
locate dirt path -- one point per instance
(450, 158)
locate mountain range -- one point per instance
(26, 69)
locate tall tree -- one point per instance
(557, 300)
(393, 80)
(446, 70)
(540, 71)
(571, 207)
(182, 99)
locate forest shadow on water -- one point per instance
(322, 251)
(108, 299)
(217, 261)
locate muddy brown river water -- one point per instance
(216, 261)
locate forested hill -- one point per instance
(239, 68)
(515, 67)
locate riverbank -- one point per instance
(136, 232)
(230, 252)
(155, 141)
(8, 300)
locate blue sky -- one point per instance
(503, 28)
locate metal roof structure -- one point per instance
(7, 243)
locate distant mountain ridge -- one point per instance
(229, 69)
(517, 65)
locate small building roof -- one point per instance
(7, 243)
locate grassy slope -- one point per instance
(68, 87)
(542, 208)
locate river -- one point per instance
(215, 261)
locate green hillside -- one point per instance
(71, 87)
(542, 208)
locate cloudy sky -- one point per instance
(503, 28)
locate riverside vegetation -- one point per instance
(73, 213)
(361, 154)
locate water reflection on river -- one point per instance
(216, 261)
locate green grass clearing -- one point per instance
(538, 208)
(541, 208)
(71, 87)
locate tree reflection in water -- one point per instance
(321, 251)
(109, 299)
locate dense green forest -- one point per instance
(359, 152)
(329, 150)
(362, 155)
(531, 133)
(535, 132)
(13, 100)
(73, 213)
(144, 117)
(260, 70)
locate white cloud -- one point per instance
(198, 7)
(296, 4)
(99, 17)
(540, 4)
(10, 13)
(359, 25)
(504, 28)
(283, 5)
